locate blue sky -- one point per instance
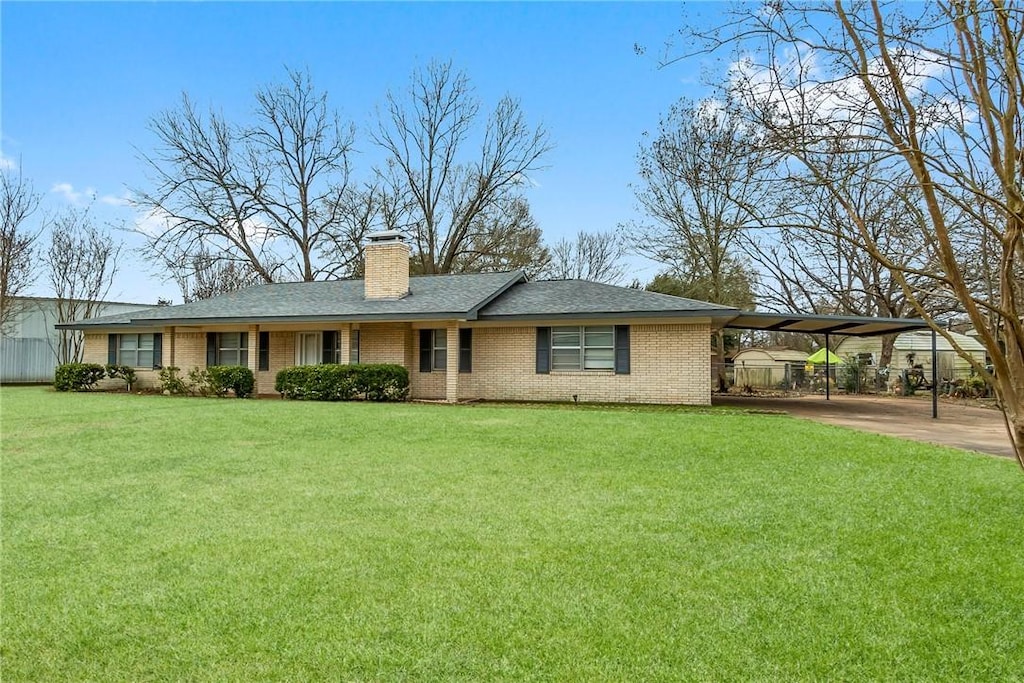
(81, 80)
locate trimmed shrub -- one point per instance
(199, 382)
(332, 382)
(235, 378)
(125, 372)
(317, 382)
(171, 381)
(383, 382)
(77, 376)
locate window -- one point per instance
(439, 348)
(433, 350)
(307, 348)
(597, 347)
(227, 348)
(353, 347)
(587, 348)
(135, 350)
(332, 351)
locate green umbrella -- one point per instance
(818, 358)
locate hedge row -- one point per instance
(329, 382)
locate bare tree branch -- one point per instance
(17, 244)
(269, 196)
(81, 263)
(593, 256)
(456, 184)
(936, 89)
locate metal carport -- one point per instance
(847, 325)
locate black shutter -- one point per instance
(466, 349)
(622, 349)
(112, 340)
(543, 350)
(158, 350)
(330, 339)
(426, 341)
(211, 349)
(264, 351)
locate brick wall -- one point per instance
(668, 362)
(385, 343)
(282, 355)
(387, 270)
(189, 350)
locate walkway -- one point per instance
(960, 426)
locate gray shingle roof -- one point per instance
(439, 296)
(488, 296)
(579, 298)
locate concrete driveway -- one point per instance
(967, 427)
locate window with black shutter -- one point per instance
(583, 347)
(227, 348)
(135, 350)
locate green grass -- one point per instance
(153, 538)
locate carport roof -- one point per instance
(855, 326)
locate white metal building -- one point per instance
(27, 354)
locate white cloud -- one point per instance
(111, 200)
(523, 179)
(71, 195)
(7, 164)
(804, 92)
(153, 223)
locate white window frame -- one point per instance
(122, 352)
(299, 347)
(580, 349)
(439, 350)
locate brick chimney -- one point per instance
(387, 266)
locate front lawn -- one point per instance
(154, 538)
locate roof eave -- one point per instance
(256, 320)
(605, 315)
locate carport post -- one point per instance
(935, 379)
(828, 393)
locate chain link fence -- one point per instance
(851, 377)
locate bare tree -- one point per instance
(735, 282)
(702, 188)
(595, 256)
(809, 263)
(17, 244)
(204, 276)
(81, 263)
(507, 238)
(455, 179)
(272, 197)
(936, 87)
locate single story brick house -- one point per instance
(492, 336)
